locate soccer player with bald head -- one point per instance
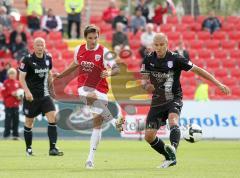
(35, 78)
(161, 70)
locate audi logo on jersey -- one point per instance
(87, 66)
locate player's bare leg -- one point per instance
(28, 135)
(52, 134)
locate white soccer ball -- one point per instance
(192, 133)
(20, 93)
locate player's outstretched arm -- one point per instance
(67, 71)
(206, 75)
(23, 83)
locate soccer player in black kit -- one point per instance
(35, 78)
(161, 70)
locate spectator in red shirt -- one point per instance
(111, 12)
(11, 102)
(159, 12)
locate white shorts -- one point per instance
(84, 91)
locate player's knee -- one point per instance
(29, 122)
(173, 122)
(173, 119)
(91, 97)
(149, 137)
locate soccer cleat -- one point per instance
(171, 152)
(55, 152)
(119, 124)
(89, 165)
(168, 163)
(29, 152)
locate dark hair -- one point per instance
(91, 29)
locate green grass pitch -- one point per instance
(120, 159)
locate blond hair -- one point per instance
(11, 71)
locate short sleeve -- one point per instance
(23, 67)
(75, 54)
(183, 63)
(108, 58)
(145, 69)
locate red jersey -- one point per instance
(10, 86)
(92, 63)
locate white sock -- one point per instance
(103, 110)
(95, 139)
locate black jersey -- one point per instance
(37, 74)
(165, 75)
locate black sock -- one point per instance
(175, 135)
(158, 145)
(52, 134)
(28, 137)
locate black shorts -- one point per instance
(38, 106)
(158, 115)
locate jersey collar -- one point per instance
(92, 49)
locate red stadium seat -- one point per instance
(235, 73)
(95, 19)
(228, 27)
(188, 74)
(212, 44)
(232, 19)
(204, 54)
(104, 27)
(221, 72)
(200, 63)
(228, 44)
(187, 19)
(234, 54)
(173, 36)
(234, 35)
(67, 54)
(230, 63)
(220, 54)
(203, 35)
(181, 28)
(165, 28)
(135, 44)
(219, 35)
(193, 54)
(109, 37)
(230, 81)
(40, 34)
(196, 26)
(61, 45)
(55, 36)
(212, 64)
(172, 20)
(200, 19)
(196, 44)
(188, 91)
(188, 35)
(236, 91)
(54, 53)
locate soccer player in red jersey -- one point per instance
(94, 65)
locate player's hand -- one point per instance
(55, 75)
(149, 87)
(105, 74)
(225, 89)
(29, 96)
